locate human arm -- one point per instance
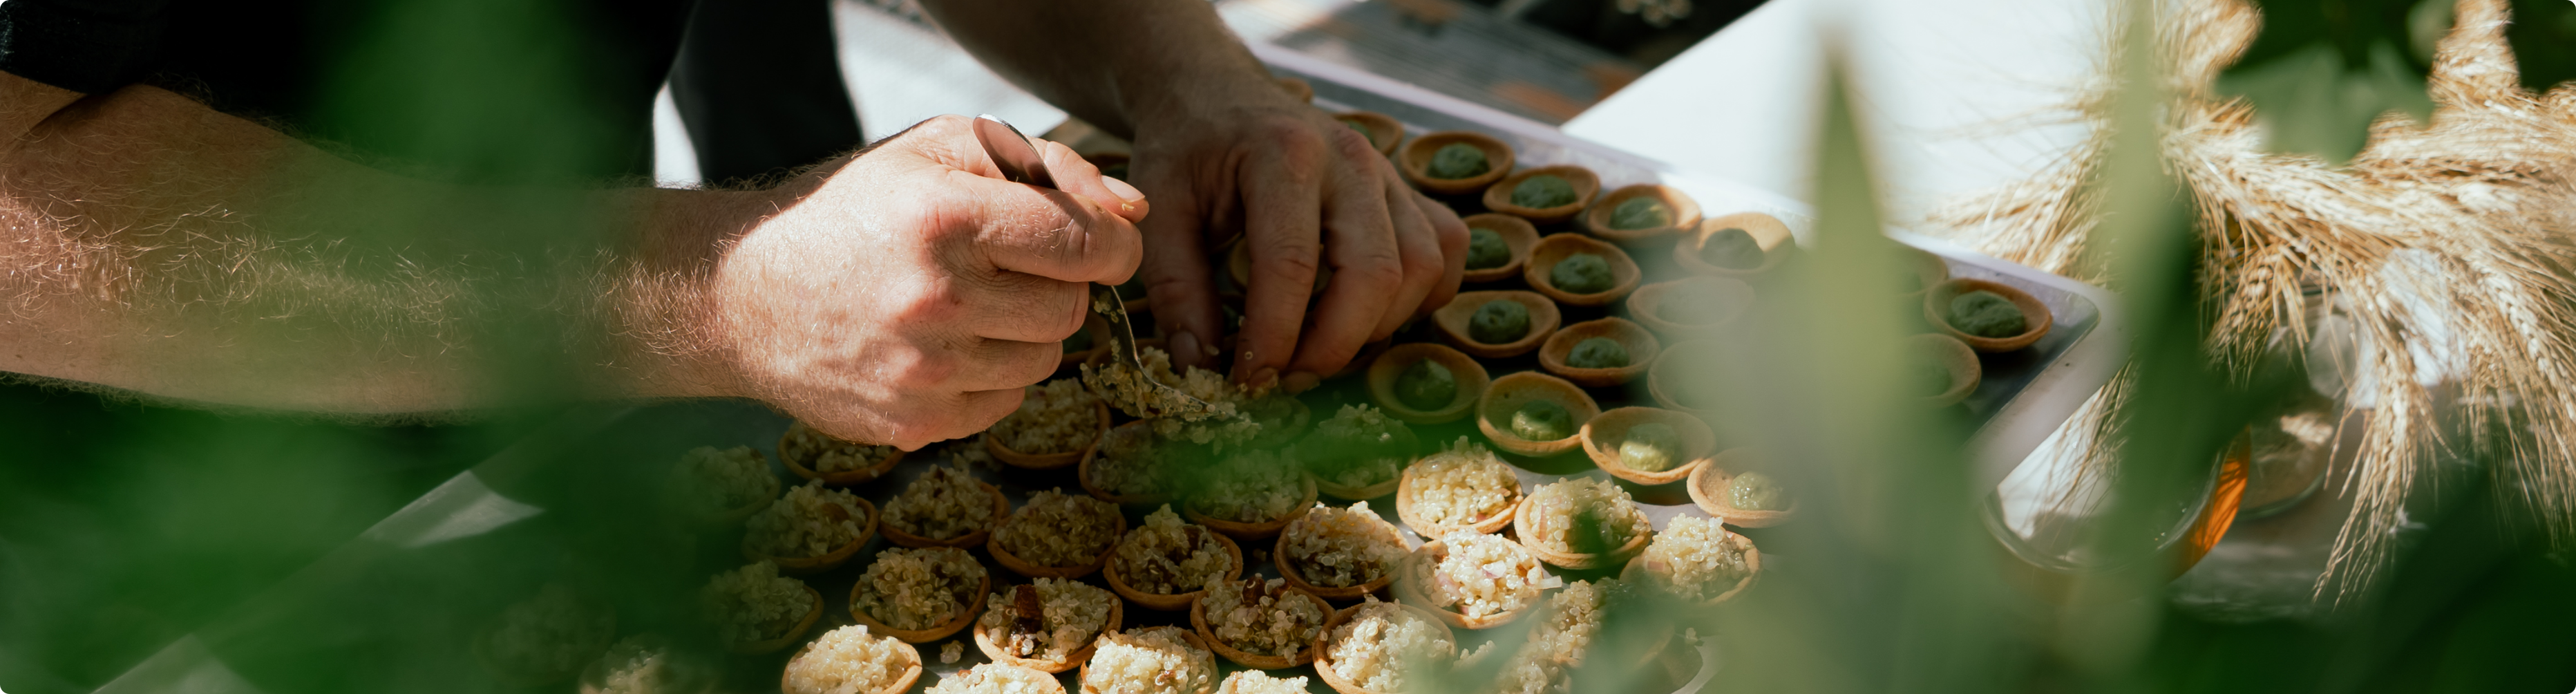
(1221, 149)
(149, 243)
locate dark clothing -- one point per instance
(474, 90)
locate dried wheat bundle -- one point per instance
(2448, 243)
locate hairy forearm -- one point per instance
(1113, 63)
(155, 245)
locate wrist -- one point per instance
(662, 312)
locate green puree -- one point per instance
(1499, 322)
(1581, 273)
(1986, 314)
(1650, 447)
(1457, 160)
(1641, 212)
(1541, 420)
(1486, 249)
(1426, 385)
(1543, 191)
(1930, 377)
(1597, 353)
(1733, 249)
(1754, 491)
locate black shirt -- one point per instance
(476, 90)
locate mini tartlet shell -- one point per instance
(827, 562)
(1082, 474)
(1324, 646)
(1516, 233)
(838, 479)
(1768, 233)
(1383, 372)
(1509, 393)
(1685, 213)
(732, 517)
(1404, 489)
(1198, 621)
(1001, 510)
(1049, 461)
(1187, 636)
(1953, 355)
(1254, 532)
(1640, 343)
(1383, 130)
(1664, 376)
(1049, 685)
(1417, 568)
(1602, 436)
(1414, 158)
(1176, 601)
(993, 650)
(1936, 308)
(1024, 568)
(1296, 87)
(793, 633)
(1708, 489)
(1926, 267)
(1648, 303)
(1557, 247)
(1455, 317)
(1521, 518)
(902, 683)
(1498, 197)
(1279, 560)
(974, 609)
(1636, 570)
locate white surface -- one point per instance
(1954, 95)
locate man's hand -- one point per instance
(905, 295)
(1222, 150)
(1305, 192)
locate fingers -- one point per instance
(1282, 211)
(1048, 233)
(1023, 307)
(1177, 277)
(1450, 235)
(1078, 176)
(1368, 296)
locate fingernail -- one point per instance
(1123, 191)
(1265, 377)
(1185, 349)
(1300, 381)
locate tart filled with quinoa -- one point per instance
(1057, 535)
(815, 455)
(1049, 625)
(920, 595)
(1258, 682)
(1473, 580)
(1057, 424)
(1339, 553)
(1162, 564)
(1219, 417)
(645, 664)
(996, 678)
(1358, 453)
(1132, 466)
(1557, 644)
(944, 507)
(755, 610)
(849, 660)
(1696, 560)
(1260, 624)
(1583, 523)
(1463, 487)
(720, 487)
(546, 638)
(1150, 660)
(1384, 648)
(1250, 496)
(813, 528)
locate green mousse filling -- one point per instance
(1499, 322)
(1754, 491)
(1650, 447)
(1581, 273)
(1426, 385)
(1541, 420)
(1457, 160)
(1641, 212)
(1733, 249)
(1986, 314)
(1543, 191)
(1486, 249)
(1597, 353)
